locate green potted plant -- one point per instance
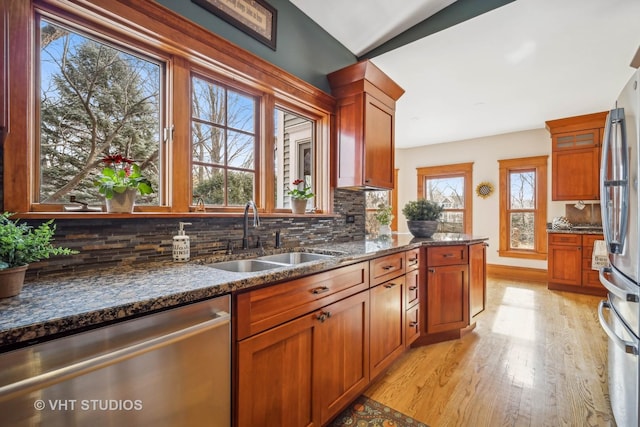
(119, 182)
(21, 244)
(384, 217)
(299, 196)
(422, 217)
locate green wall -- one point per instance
(303, 48)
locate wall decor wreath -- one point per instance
(484, 189)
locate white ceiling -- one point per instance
(507, 70)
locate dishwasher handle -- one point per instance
(104, 360)
(627, 346)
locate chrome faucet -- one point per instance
(256, 222)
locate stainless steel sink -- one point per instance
(246, 265)
(295, 257)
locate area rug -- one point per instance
(365, 412)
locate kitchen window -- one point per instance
(294, 155)
(449, 186)
(97, 83)
(523, 207)
(95, 99)
(223, 144)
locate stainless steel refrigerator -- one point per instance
(619, 203)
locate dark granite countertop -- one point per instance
(578, 230)
(52, 306)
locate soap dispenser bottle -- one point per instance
(181, 244)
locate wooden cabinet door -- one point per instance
(379, 146)
(387, 324)
(477, 278)
(575, 174)
(275, 376)
(447, 298)
(342, 354)
(565, 264)
(303, 372)
(590, 277)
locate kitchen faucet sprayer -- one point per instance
(256, 222)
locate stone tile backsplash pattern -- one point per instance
(112, 242)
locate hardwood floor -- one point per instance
(536, 358)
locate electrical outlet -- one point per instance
(351, 219)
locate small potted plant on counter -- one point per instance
(384, 217)
(422, 217)
(21, 244)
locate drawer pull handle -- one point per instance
(447, 255)
(432, 270)
(413, 259)
(387, 267)
(320, 290)
(389, 285)
(413, 288)
(413, 324)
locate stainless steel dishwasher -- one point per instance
(166, 369)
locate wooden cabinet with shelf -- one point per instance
(365, 150)
(576, 146)
(446, 304)
(569, 263)
(388, 288)
(302, 355)
(305, 348)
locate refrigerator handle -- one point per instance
(629, 295)
(627, 346)
(614, 182)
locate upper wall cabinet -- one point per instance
(366, 126)
(576, 146)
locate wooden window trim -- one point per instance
(144, 23)
(539, 164)
(445, 171)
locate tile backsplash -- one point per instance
(112, 242)
(589, 214)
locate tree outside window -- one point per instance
(95, 100)
(523, 207)
(223, 142)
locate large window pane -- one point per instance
(223, 144)
(522, 190)
(522, 230)
(293, 155)
(449, 192)
(96, 99)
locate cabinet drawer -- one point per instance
(412, 326)
(447, 255)
(588, 240)
(413, 259)
(565, 239)
(386, 268)
(264, 308)
(412, 289)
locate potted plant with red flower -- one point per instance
(299, 195)
(119, 181)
